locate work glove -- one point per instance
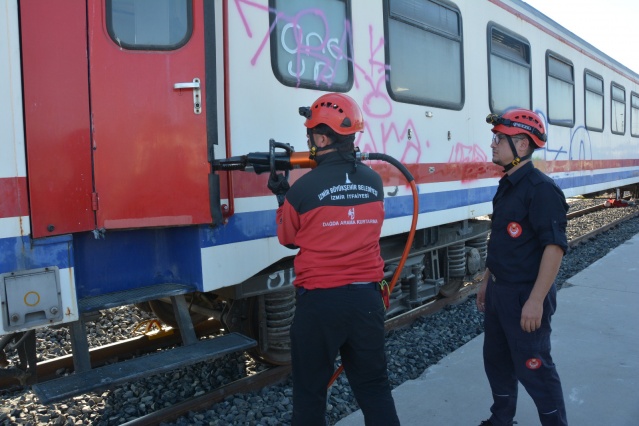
(278, 184)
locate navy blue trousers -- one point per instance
(348, 320)
(512, 355)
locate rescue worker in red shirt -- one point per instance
(518, 292)
(334, 215)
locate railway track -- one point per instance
(278, 374)
(137, 345)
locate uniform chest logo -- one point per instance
(533, 363)
(514, 229)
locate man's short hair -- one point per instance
(344, 143)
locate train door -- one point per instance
(147, 86)
(116, 138)
(56, 113)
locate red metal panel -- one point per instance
(56, 103)
(150, 158)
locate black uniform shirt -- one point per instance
(529, 213)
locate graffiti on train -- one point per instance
(316, 45)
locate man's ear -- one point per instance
(527, 145)
(531, 146)
(324, 140)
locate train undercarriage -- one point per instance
(441, 259)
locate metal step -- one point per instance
(109, 376)
(131, 296)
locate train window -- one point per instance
(149, 24)
(424, 53)
(509, 70)
(594, 101)
(560, 90)
(617, 109)
(634, 114)
(311, 44)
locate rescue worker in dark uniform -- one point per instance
(518, 294)
(334, 215)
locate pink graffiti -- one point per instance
(371, 74)
(238, 5)
(376, 102)
(326, 55)
(378, 108)
(474, 160)
(467, 154)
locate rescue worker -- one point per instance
(517, 293)
(334, 215)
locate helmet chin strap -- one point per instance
(517, 158)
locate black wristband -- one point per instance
(280, 199)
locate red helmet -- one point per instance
(518, 121)
(338, 111)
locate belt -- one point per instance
(353, 286)
(360, 286)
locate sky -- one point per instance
(608, 25)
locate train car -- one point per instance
(119, 117)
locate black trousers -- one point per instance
(512, 355)
(348, 319)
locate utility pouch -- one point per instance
(385, 290)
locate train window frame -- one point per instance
(507, 52)
(108, 12)
(560, 76)
(621, 88)
(437, 31)
(315, 84)
(589, 89)
(634, 114)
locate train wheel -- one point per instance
(270, 319)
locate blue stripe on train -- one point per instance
(261, 224)
(21, 253)
(128, 259)
(122, 260)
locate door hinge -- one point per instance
(94, 201)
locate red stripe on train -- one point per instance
(14, 201)
(251, 185)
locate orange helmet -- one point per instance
(517, 121)
(338, 111)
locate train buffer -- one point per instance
(111, 375)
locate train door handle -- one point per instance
(197, 98)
